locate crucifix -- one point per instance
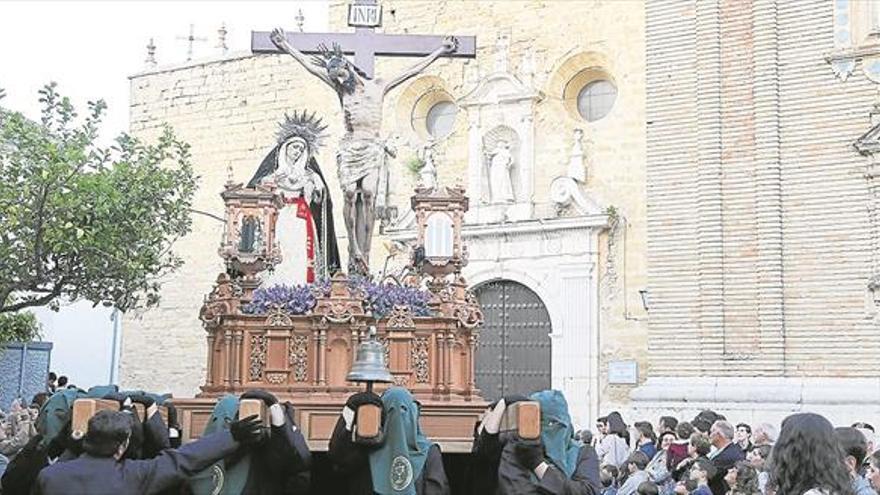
(360, 158)
(191, 39)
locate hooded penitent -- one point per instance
(397, 465)
(557, 433)
(223, 477)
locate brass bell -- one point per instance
(369, 364)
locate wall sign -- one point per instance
(623, 373)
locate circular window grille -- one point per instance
(595, 100)
(441, 119)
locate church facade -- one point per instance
(674, 204)
(544, 128)
(762, 208)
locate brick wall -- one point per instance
(758, 242)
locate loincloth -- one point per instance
(356, 158)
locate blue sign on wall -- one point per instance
(24, 368)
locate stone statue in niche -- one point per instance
(500, 163)
(428, 172)
(576, 158)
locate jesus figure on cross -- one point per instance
(360, 158)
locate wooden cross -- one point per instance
(365, 43)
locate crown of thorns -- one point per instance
(326, 56)
(302, 125)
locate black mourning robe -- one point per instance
(352, 462)
(324, 228)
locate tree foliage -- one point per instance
(18, 327)
(81, 221)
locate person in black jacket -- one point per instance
(103, 469)
(555, 464)
(726, 455)
(404, 463)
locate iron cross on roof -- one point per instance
(365, 43)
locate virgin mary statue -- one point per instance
(304, 229)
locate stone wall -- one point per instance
(758, 234)
(227, 110)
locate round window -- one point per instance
(595, 100)
(441, 119)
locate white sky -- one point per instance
(90, 49)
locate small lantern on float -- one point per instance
(249, 245)
(439, 212)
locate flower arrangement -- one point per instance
(296, 299)
(381, 298)
(378, 298)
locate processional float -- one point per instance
(306, 356)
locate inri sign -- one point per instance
(364, 15)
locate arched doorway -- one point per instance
(513, 355)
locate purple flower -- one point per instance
(379, 299)
(296, 300)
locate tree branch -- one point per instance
(40, 301)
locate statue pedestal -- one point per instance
(305, 358)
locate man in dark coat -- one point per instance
(103, 468)
(727, 454)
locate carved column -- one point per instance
(209, 379)
(437, 363)
(320, 357)
(471, 378)
(450, 349)
(237, 371)
(227, 347)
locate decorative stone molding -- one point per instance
(278, 317)
(770, 399)
(468, 312)
(501, 100)
(401, 317)
(276, 378)
(259, 345)
(556, 259)
(299, 357)
(223, 299)
(343, 305)
(419, 356)
(855, 40)
(868, 145)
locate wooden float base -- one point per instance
(450, 424)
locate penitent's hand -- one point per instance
(278, 37)
(450, 44)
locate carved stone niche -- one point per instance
(501, 131)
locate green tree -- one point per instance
(18, 327)
(80, 221)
